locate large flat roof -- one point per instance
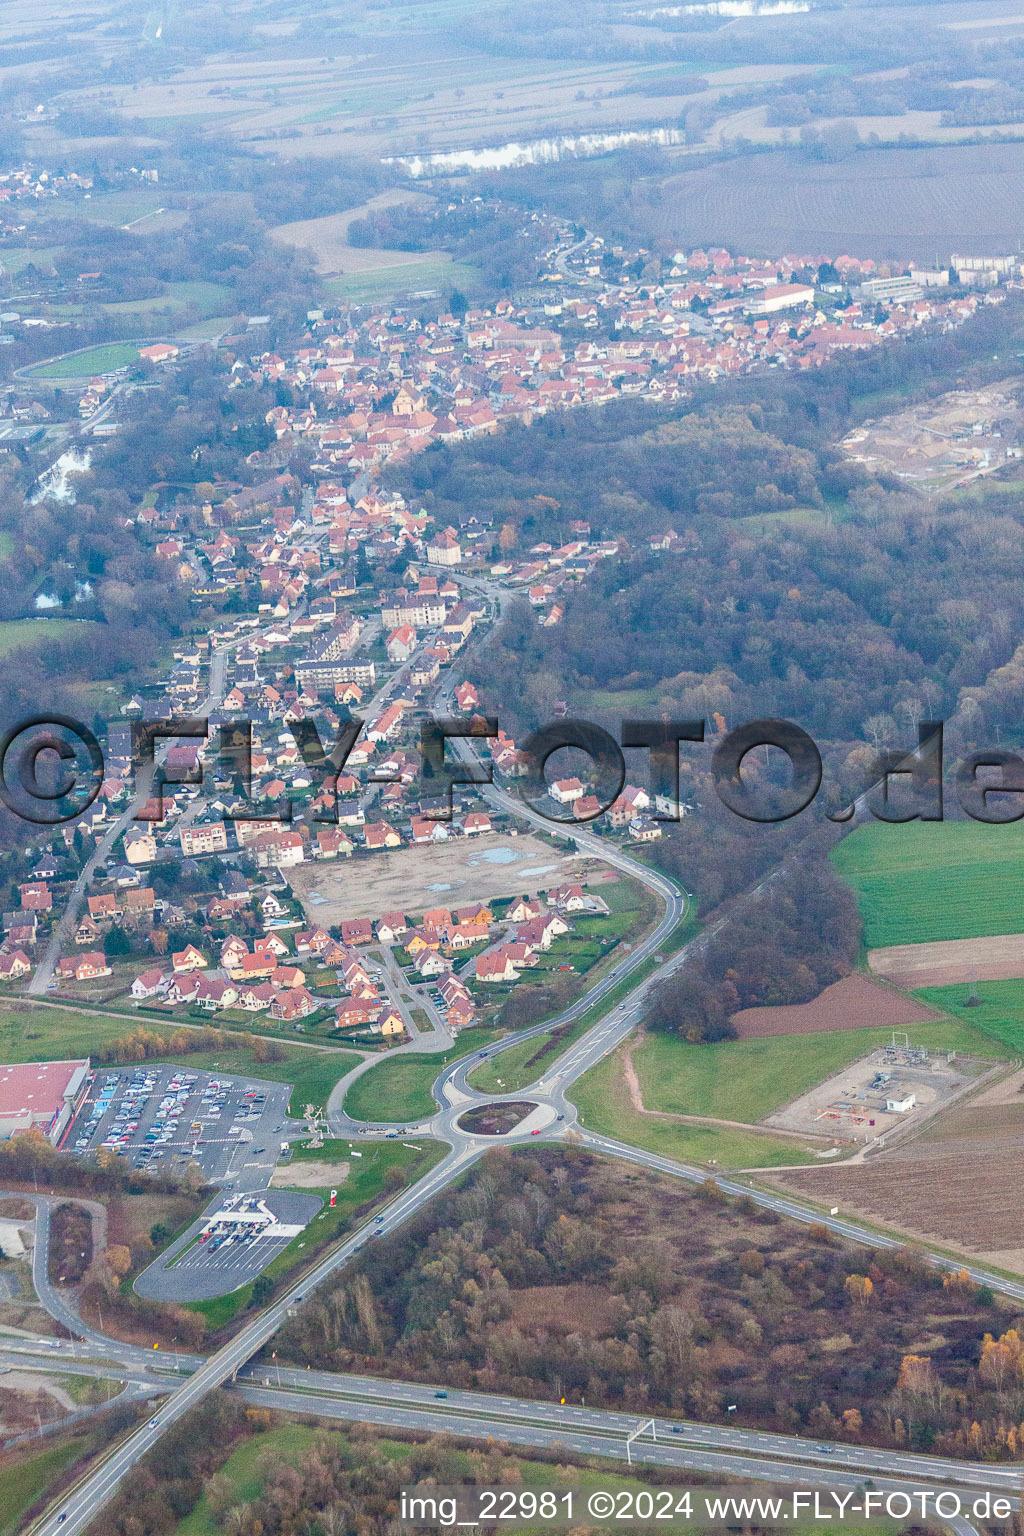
(39, 1087)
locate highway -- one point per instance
(710, 1448)
(89, 1498)
(672, 1451)
(728, 1453)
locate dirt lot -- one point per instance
(853, 1102)
(856, 1002)
(953, 960)
(327, 238)
(936, 444)
(310, 1175)
(958, 1183)
(453, 874)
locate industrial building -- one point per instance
(41, 1096)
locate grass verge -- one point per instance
(748, 1079)
(361, 1184)
(399, 1088)
(602, 1097)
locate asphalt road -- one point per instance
(708, 1448)
(729, 1451)
(74, 1514)
(591, 1441)
(63, 930)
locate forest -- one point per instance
(799, 588)
(680, 1300)
(348, 1483)
(784, 951)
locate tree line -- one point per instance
(677, 1299)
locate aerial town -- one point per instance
(306, 639)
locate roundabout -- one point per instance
(497, 1118)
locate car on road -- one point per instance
(535, 1133)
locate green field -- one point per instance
(923, 881)
(82, 365)
(361, 1183)
(209, 299)
(1000, 1012)
(617, 701)
(15, 258)
(25, 1480)
(113, 208)
(386, 282)
(762, 523)
(748, 1079)
(19, 632)
(246, 1470)
(604, 1104)
(399, 1089)
(29, 1033)
(215, 325)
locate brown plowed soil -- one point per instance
(944, 964)
(958, 1184)
(855, 1002)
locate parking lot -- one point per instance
(234, 1242)
(158, 1118)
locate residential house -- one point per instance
(389, 1022)
(357, 930)
(429, 963)
(400, 643)
(355, 1013)
(149, 984)
(248, 968)
(293, 1005)
(288, 977)
(391, 927)
(14, 965)
(83, 967)
(495, 966)
(188, 959)
(332, 843)
(139, 846)
(312, 941)
(183, 988)
(256, 997)
(380, 834)
(211, 994)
